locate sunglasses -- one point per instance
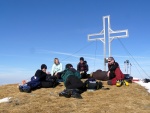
(109, 61)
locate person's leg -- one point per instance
(84, 75)
(76, 85)
(59, 78)
(73, 83)
(58, 75)
(25, 88)
(119, 74)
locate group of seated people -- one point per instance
(71, 77)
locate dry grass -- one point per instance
(125, 99)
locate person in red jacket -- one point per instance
(114, 73)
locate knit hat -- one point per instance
(43, 66)
(81, 58)
(69, 66)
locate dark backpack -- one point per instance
(51, 81)
(146, 80)
(92, 84)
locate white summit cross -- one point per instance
(107, 33)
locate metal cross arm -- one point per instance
(95, 35)
(121, 34)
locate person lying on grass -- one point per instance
(72, 81)
(38, 80)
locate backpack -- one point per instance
(146, 80)
(92, 84)
(51, 81)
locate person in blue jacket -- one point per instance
(40, 75)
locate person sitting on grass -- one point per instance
(57, 68)
(113, 74)
(83, 68)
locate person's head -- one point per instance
(81, 59)
(56, 61)
(69, 66)
(110, 60)
(43, 68)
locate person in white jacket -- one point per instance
(57, 68)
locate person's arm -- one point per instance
(52, 71)
(40, 74)
(87, 68)
(78, 67)
(60, 67)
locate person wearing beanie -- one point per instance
(43, 66)
(35, 82)
(81, 58)
(82, 67)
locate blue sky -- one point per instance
(33, 32)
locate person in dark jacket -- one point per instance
(40, 75)
(82, 67)
(74, 85)
(112, 75)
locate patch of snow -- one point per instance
(7, 99)
(145, 85)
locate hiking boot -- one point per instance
(76, 95)
(65, 94)
(125, 83)
(26, 89)
(21, 88)
(118, 83)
